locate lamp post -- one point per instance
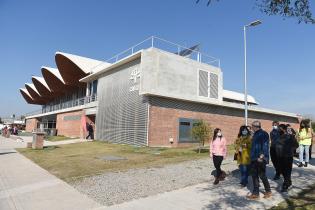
(252, 24)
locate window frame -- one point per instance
(190, 139)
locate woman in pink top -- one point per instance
(218, 153)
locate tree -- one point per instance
(299, 9)
(201, 131)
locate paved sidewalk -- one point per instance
(22, 140)
(227, 195)
(24, 185)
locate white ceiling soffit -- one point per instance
(238, 96)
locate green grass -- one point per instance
(305, 200)
(57, 138)
(72, 161)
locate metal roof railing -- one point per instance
(168, 46)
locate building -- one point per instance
(150, 95)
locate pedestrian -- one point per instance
(292, 132)
(305, 140)
(242, 151)
(218, 153)
(90, 130)
(259, 159)
(285, 146)
(274, 138)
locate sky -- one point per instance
(280, 53)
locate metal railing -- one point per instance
(64, 105)
(165, 45)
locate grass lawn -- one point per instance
(73, 161)
(57, 138)
(305, 200)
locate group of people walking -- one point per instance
(254, 147)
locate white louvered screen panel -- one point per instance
(214, 83)
(203, 83)
(122, 112)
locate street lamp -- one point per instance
(252, 24)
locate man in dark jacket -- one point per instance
(90, 130)
(274, 137)
(259, 158)
(285, 149)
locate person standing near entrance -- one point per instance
(305, 141)
(90, 130)
(286, 144)
(259, 159)
(274, 138)
(218, 153)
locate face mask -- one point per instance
(275, 127)
(219, 134)
(244, 132)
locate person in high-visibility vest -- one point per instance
(305, 141)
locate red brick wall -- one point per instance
(31, 124)
(69, 124)
(164, 124)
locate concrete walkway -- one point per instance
(24, 139)
(24, 185)
(227, 195)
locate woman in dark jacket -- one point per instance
(285, 149)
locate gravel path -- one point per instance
(114, 188)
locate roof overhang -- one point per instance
(41, 86)
(26, 95)
(102, 69)
(53, 79)
(73, 67)
(236, 96)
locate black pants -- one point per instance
(274, 160)
(217, 161)
(91, 135)
(258, 170)
(286, 169)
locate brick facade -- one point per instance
(70, 124)
(164, 122)
(31, 124)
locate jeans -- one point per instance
(258, 170)
(286, 169)
(305, 148)
(217, 161)
(274, 160)
(244, 169)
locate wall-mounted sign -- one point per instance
(134, 75)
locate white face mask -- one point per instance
(244, 132)
(275, 127)
(219, 134)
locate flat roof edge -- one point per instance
(231, 105)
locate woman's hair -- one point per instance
(283, 127)
(243, 127)
(216, 131)
(304, 124)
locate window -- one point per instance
(208, 84)
(184, 130)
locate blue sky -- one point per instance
(281, 53)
